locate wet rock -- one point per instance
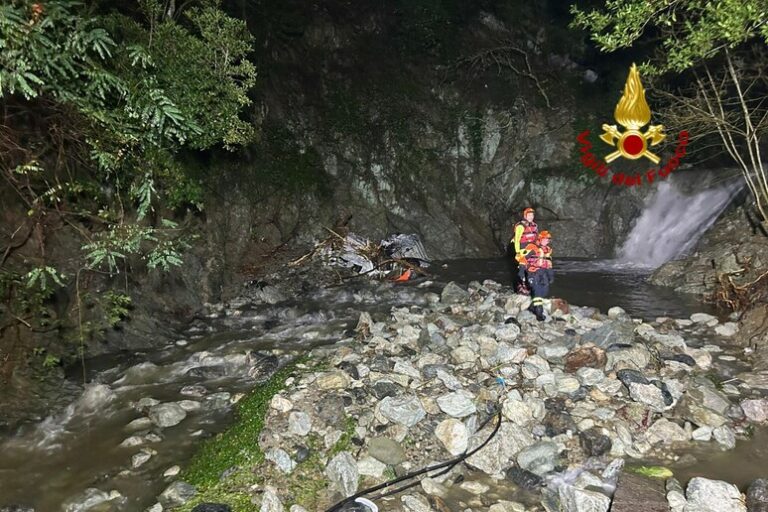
(146, 402)
(172, 471)
(270, 501)
(167, 415)
(302, 454)
(132, 441)
(594, 442)
(704, 318)
(507, 506)
(299, 423)
(453, 293)
(556, 423)
(539, 458)
(280, 404)
(281, 459)
(590, 376)
(682, 358)
(497, 455)
(649, 395)
(705, 495)
(333, 380)
(554, 352)
(616, 312)
(710, 398)
(385, 388)
(368, 466)
(453, 435)
(702, 434)
(507, 333)
(633, 355)
(524, 479)
(609, 333)
(521, 412)
(580, 357)
(628, 376)
(757, 496)
(573, 499)
(405, 410)
(449, 380)
(725, 436)
(429, 371)
(727, 329)
(212, 507)
(415, 503)
(665, 431)
(139, 424)
(386, 450)
(342, 473)
(462, 355)
(89, 499)
(178, 493)
(636, 493)
(140, 458)
(207, 372)
(535, 366)
(458, 404)
(331, 410)
(756, 410)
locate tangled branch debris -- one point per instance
(740, 296)
(388, 258)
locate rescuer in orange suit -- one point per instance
(535, 261)
(523, 233)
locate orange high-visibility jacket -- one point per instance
(535, 257)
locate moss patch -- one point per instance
(238, 446)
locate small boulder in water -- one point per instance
(757, 496)
(453, 293)
(178, 493)
(90, 498)
(167, 415)
(705, 495)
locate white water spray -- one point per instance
(672, 223)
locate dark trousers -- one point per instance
(539, 286)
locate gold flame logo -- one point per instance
(632, 112)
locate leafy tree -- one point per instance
(99, 105)
(717, 50)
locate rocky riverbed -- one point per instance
(580, 396)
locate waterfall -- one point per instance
(673, 221)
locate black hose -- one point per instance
(448, 465)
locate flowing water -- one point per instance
(673, 221)
(47, 464)
(50, 463)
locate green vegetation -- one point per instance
(651, 471)
(101, 106)
(237, 446)
(708, 57)
(117, 307)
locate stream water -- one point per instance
(50, 463)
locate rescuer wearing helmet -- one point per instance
(535, 261)
(525, 231)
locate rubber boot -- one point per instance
(539, 312)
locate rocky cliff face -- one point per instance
(384, 118)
